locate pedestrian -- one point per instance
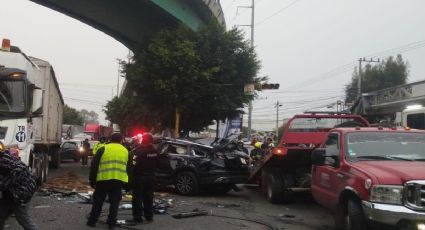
(85, 153)
(17, 186)
(109, 174)
(99, 144)
(145, 158)
(270, 143)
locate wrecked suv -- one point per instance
(192, 166)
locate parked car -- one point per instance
(192, 166)
(70, 150)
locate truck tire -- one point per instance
(56, 158)
(38, 168)
(45, 166)
(354, 218)
(186, 183)
(277, 187)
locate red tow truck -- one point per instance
(372, 176)
(369, 176)
(287, 168)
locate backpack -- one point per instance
(16, 179)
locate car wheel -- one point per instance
(186, 183)
(354, 219)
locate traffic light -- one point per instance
(269, 86)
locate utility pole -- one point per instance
(252, 7)
(119, 73)
(359, 82)
(277, 118)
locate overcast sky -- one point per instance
(310, 47)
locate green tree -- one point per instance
(388, 73)
(197, 75)
(71, 116)
(89, 116)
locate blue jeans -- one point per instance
(7, 207)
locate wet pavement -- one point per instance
(56, 206)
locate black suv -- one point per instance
(192, 166)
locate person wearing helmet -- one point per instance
(145, 160)
(257, 152)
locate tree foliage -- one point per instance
(71, 116)
(388, 73)
(200, 74)
(89, 116)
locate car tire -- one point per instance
(354, 218)
(186, 183)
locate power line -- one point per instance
(85, 85)
(83, 100)
(277, 12)
(404, 48)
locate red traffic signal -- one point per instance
(270, 86)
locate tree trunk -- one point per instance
(177, 124)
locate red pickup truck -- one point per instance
(372, 176)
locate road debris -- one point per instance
(68, 182)
(190, 214)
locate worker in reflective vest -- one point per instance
(99, 145)
(109, 173)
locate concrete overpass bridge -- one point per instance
(133, 22)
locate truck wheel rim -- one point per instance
(184, 184)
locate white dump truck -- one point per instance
(31, 107)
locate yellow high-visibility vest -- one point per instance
(97, 146)
(113, 163)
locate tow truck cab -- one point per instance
(372, 176)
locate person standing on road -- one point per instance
(85, 153)
(17, 187)
(109, 173)
(146, 159)
(99, 145)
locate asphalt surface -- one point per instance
(247, 209)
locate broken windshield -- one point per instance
(12, 96)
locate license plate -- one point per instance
(243, 161)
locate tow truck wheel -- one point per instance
(354, 219)
(275, 189)
(186, 183)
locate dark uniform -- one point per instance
(109, 173)
(146, 159)
(85, 153)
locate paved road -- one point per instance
(237, 208)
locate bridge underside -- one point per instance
(132, 22)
